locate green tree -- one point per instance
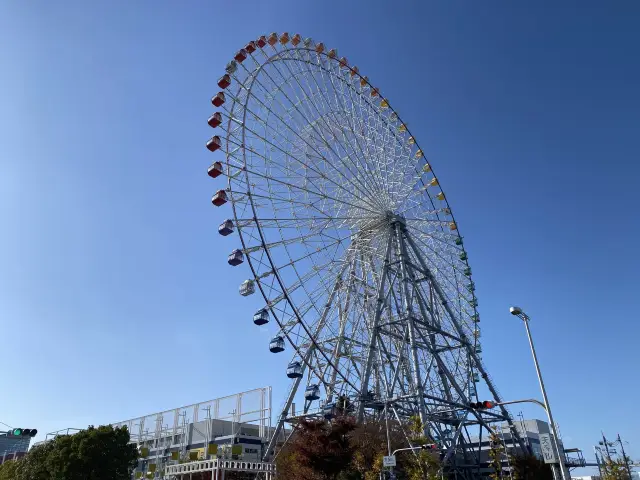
(614, 469)
(9, 470)
(102, 453)
(422, 464)
(496, 453)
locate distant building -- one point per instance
(13, 447)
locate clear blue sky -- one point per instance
(115, 296)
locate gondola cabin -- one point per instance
(467, 271)
(294, 370)
(215, 170)
(329, 411)
(248, 287)
(235, 258)
(476, 377)
(240, 56)
(296, 39)
(226, 228)
(224, 81)
(231, 67)
(478, 349)
(458, 240)
(312, 392)
(250, 47)
(220, 198)
(261, 317)
(215, 120)
(475, 317)
(261, 42)
(218, 100)
(284, 38)
(276, 345)
(463, 256)
(273, 39)
(214, 143)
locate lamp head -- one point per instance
(515, 311)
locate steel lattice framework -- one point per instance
(351, 242)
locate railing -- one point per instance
(219, 464)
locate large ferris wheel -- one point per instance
(351, 242)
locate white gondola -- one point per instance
(261, 317)
(329, 411)
(248, 287)
(226, 228)
(294, 370)
(235, 258)
(276, 345)
(312, 392)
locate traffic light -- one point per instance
(22, 432)
(485, 405)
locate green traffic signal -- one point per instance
(23, 432)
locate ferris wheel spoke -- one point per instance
(361, 163)
(321, 117)
(274, 130)
(351, 92)
(305, 116)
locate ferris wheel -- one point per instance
(351, 242)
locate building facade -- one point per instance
(13, 447)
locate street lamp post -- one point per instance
(517, 311)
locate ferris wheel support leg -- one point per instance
(340, 341)
(408, 311)
(462, 335)
(305, 360)
(364, 386)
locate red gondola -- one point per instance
(214, 143)
(241, 56)
(215, 170)
(224, 81)
(215, 120)
(220, 198)
(218, 99)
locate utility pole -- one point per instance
(624, 457)
(606, 446)
(595, 450)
